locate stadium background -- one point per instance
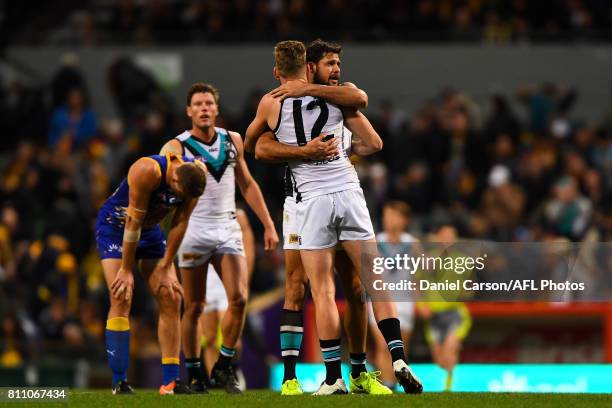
(457, 89)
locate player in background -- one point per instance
(214, 235)
(216, 298)
(323, 60)
(330, 205)
(127, 229)
(394, 240)
(447, 322)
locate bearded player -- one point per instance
(323, 69)
(330, 206)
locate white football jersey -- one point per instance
(300, 120)
(219, 198)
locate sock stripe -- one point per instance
(227, 352)
(118, 324)
(331, 355)
(324, 349)
(295, 353)
(291, 329)
(357, 362)
(291, 341)
(171, 360)
(190, 364)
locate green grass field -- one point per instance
(269, 399)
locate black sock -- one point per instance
(226, 355)
(194, 369)
(358, 364)
(390, 329)
(291, 333)
(332, 358)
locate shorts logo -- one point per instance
(294, 238)
(190, 256)
(114, 248)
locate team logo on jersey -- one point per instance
(216, 165)
(168, 198)
(294, 239)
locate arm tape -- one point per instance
(136, 214)
(131, 236)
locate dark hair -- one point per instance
(399, 206)
(192, 177)
(201, 87)
(318, 49)
(289, 57)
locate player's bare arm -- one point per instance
(252, 194)
(143, 178)
(270, 150)
(349, 96)
(365, 138)
(261, 122)
(175, 236)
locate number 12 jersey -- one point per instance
(305, 118)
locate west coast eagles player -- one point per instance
(331, 209)
(213, 234)
(127, 229)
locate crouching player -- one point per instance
(127, 230)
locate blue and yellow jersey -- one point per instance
(161, 202)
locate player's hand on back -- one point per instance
(318, 149)
(123, 285)
(291, 89)
(270, 238)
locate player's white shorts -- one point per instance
(405, 314)
(326, 219)
(216, 298)
(201, 241)
(290, 227)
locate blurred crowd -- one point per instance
(489, 171)
(165, 21)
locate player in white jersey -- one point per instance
(331, 208)
(324, 62)
(213, 235)
(391, 241)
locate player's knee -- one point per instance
(237, 301)
(294, 292)
(323, 294)
(194, 309)
(295, 276)
(121, 306)
(167, 302)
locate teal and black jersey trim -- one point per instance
(216, 165)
